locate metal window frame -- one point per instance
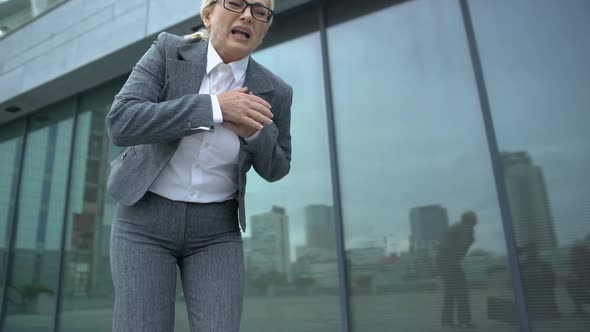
(64, 228)
(12, 221)
(501, 192)
(335, 171)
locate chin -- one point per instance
(243, 49)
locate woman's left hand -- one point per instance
(242, 131)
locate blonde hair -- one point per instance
(206, 7)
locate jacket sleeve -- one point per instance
(271, 150)
(138, 116)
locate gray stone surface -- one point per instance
(396, 312)
(42, 62)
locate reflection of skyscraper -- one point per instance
(319, 227)
(529, 203)
(429, 225)
(270, 242)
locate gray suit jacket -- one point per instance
(159, 104)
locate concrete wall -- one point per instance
(81, 44)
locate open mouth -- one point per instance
(241, 33)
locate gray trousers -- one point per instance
(152, 237)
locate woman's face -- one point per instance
(234, 35)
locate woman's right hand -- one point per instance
(242, 108)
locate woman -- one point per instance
(195, 114)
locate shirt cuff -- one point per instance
(217, 115)
(253, 137)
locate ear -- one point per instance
(207, 18)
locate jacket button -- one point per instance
(124, 155)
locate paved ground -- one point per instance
(403, 312)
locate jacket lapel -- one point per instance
(188, 71)
(192, 64)
(259, 83)
(256, 79)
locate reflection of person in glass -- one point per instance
(578, 284)
(196, 114)
(539, 283)
(451, 252)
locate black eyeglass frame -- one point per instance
(251, 5)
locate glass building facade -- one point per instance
(439, 176)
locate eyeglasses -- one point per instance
(258, 11)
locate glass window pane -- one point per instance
(11, 140)
(416, 174)
(291, 272)
(87, 293)
(15, 13)
(540, 105)
(40, 218)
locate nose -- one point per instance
(247, 14)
